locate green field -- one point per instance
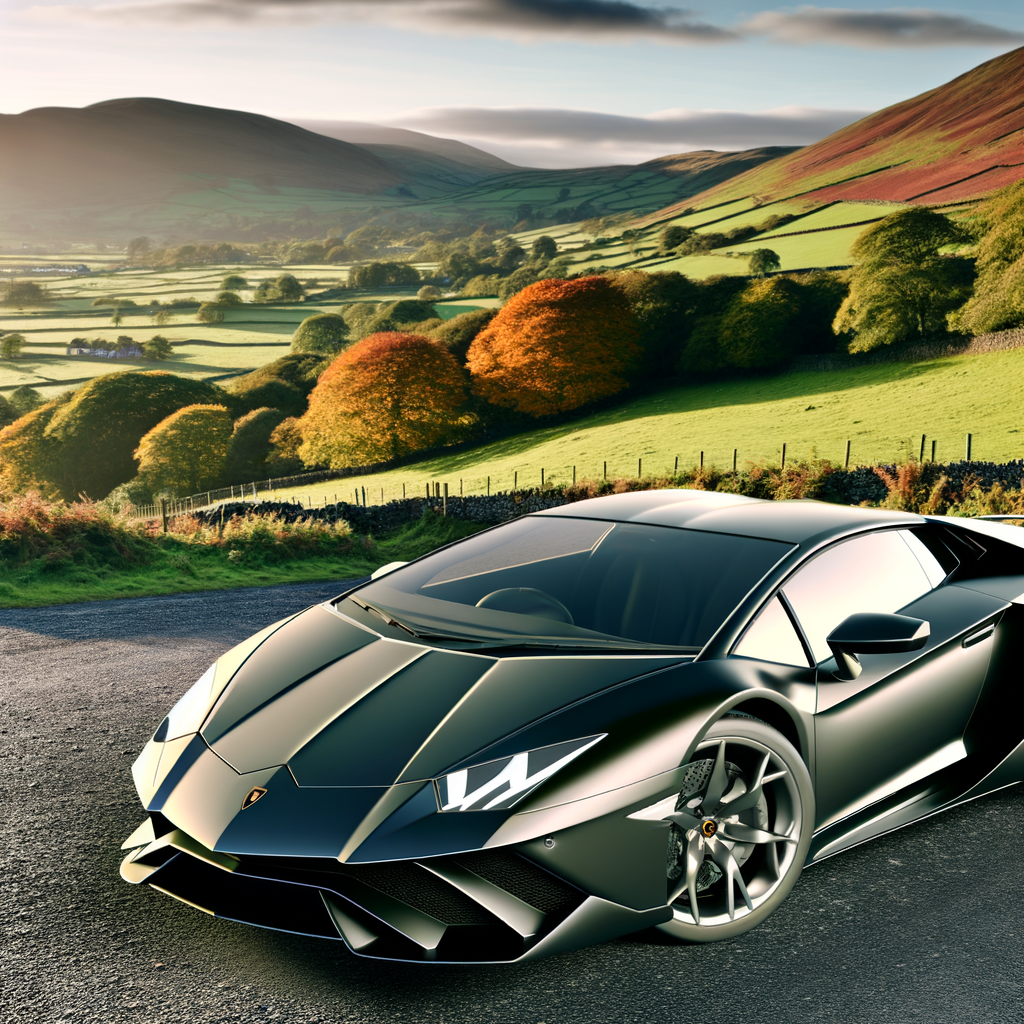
(881, 409)
(250, 336)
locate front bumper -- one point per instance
(487, 906)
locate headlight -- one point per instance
(189, 713)
(496, 785)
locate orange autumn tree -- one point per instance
(389, 395)
(555, 346)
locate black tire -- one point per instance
(720, 841)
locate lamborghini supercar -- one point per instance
(650, 709)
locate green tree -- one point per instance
(24, 399)
(998, 300)
(902, 287)
(544, 249)
(233, 282)
(27, 455)
(24, 293)
(162, 317)
(322, 334)
(428, 293)
(158, 347)
(759, 331)
(210, 313)
(7, 414)
(98, 429)
(764, 261)
(250, 445)
(457, 334)
(674, 235)
(11, 346)
(186, 452)
(228, 299)
(283, 384)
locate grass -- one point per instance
(883, 409)
(93, 557)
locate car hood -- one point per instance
(343, 706)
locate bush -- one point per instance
(323, 334)
(233, 282)
(428, 293)
(227, 298)
(383, 274)
(11, 346)
(283, 384)
(250, 445)
(759, 329)
(24, 293)
(186, 452)
(284, 288)
(457, 334)
(556, 346)
(210, 313)
(387, 396)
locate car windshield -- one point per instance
(581, 582)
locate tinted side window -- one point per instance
(874, 573)
(771, 637)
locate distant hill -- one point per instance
(154, 166)
(957, 142)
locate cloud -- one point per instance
(876, 29)
(608, 20)
(578, 138)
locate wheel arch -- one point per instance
(779, 715)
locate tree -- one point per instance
(764, 261)
(428, 293)
(210, 313)
(387, 396)
(250, 445)
(759, 329)
(233, 282)
(556, 346)
(100, 426)
(400, 316)
(674, 235)
(457, 334)
(162, 317)
(7, 414)
(27, 454)
(117, 319)
(998, 300)
(285, 442)
(228, 299)
(322, 334)
(24, 399)
(662, 305)
(138, 246)
(11, 346)
(24, 293)
(284, 288)
(158, 347)
(902, 287)
(282, 384)
(186, 452)
(544, 249)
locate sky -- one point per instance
(547, 83)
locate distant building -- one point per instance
(79, 347)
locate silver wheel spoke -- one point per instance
(694, 859)
(718, 781)
(722, 856)
(684, 820)
(737, 832)
(748, 799)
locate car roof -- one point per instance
(795, 522)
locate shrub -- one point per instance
(283, 458)
(24, 293)
(387, 396)
(186, 452)
(96, 431)
(323, 334)
(457, 334)
(556, 346)
(227, 298)
(428, 293)
(210, 313)
(381, 274)
(250, 445)
(759, 329)
(11, 346)
(233, 282)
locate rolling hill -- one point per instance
(957, 142)
(153, 166)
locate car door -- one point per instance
(903, 718)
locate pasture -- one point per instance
(250, 335)
(882, 409)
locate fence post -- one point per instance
(364, 497)
(783, 466)
(488, 486)
(208, 501)
(163, 512)
(933, 451)
(847, 465)
(444, 500)
(515, 480)
(542, 476)
(921, 456)
(574, 476)
(967, 455)
(606, 469)
(639, 468)
(460, 486)
(734, 451)
(675, 472)
(701, 460)
(403, 492)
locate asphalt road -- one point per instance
(924, 925)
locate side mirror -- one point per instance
(874, 633)
(385, 569)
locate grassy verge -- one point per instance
(47, 557)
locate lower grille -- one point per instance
(488, 906)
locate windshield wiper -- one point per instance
(390, 620)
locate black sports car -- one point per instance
(651, 709)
